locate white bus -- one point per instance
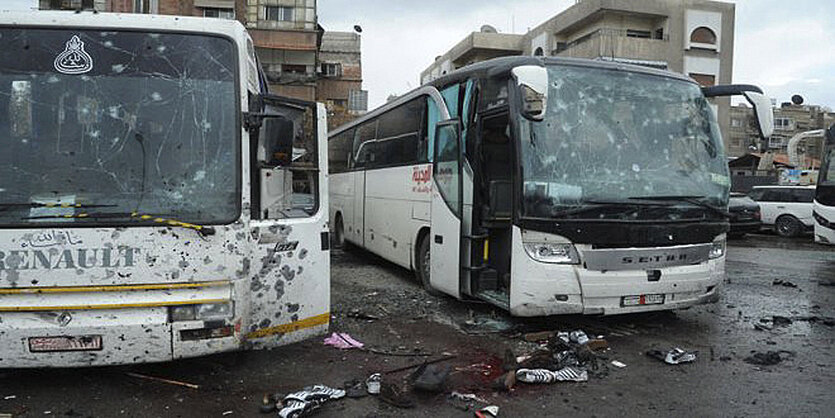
(155, 202)
(824, 206)
(544, 186)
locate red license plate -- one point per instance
(65, 343)
(652, 299)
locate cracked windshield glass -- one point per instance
(622, 145)
(99, 123)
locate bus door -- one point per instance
(447, 207)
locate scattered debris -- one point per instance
(10, 397)
(342, 341)
(597, 344)
(784, 283)
(618, 364)
(674, 356)
(362, 316)
(395, 395)
(567, 374)
(486, 325)
(578, 337)
(505, 382)
(780, 321)
(447, 356)
(488, 411)
(356, 389)
(373, 382)
(225, 413)
(467, 397)
(535, 337)
(163, 380)
(308, 399)
(430, 378)
(769, 358)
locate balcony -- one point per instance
(618, 43)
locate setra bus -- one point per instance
(544, 185)
(155, 202)
(824, 206)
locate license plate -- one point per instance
(65, 343)
(653, 299)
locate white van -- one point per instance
(788, 209)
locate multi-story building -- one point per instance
(789, 120)
(339, 84)
(693, 37)
(287, 39)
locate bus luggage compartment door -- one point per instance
(445, 233)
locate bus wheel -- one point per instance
(423, 264)
(339, 234)
(788, 226)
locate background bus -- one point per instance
(544, 185)
(824, 207)
(154, 203)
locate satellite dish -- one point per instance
(797, 99)
(488, 29)
(357, 28)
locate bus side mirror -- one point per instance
(532, 82)
(762, 111)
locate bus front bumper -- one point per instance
(84, 338)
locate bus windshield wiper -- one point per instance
(201, 229)
(29, 205)
(693, 200)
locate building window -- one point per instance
(775, 142)
(634, 33)
(280, 14)
(142, 6)
(736, 123)
(659, 33)
(293, 69)
(703, 35)
(782, 123)
(219, 13)
(331, 70)
(704, 79)
(539, 52)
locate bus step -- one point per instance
(495, 297)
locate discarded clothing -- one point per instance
(578, 337)
(343, 341)
(305, 401)
(430, 378)
(567, 374)
(395, 395)
(674, 356)
(488, 411)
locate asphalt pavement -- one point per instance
(778, 297)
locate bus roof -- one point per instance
(129, 21)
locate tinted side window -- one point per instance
(399, 134)
(364, 153)
(756, 194)
(804, 195)
(778, 195)
(339, 151)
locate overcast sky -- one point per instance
(785, 46)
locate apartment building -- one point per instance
(339, 84)
(693, 37)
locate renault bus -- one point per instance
(156, 202)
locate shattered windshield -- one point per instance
(119, 122)
(613, 140)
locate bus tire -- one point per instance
(338, 240)
(788, 226)
(423, 265)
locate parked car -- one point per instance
(745, 215)
(787, 209)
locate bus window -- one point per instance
(339, 151)
(363, 144)
(398, 134)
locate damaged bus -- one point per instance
(544, 185)
(824, 206)
(156, 202)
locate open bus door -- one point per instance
(447, 208)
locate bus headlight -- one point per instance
(204, 312)
(718, 248)
(549, 252)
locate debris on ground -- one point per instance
(578, 337)
(355, 389)
(305, 401)
(768, 358)
(395, 395)
(163, 380)
(488, 411)
(618, 364)
(535, 337)
(362, 316)
(486, 325)
(566, 374)
(342, 341)
(430, 377)
(784, 283)
(373, 382)
(505, 382)
(466, 401)
(597, 344)
(674, 356)
(780, 321)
